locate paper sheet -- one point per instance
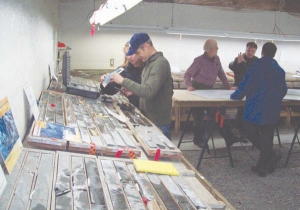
(292, 94)
(107, 79)
(31, 99)
(212, 94)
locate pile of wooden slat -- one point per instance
(148, 135)
(90, 117)
(61, 180)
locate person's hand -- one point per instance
(191, 89)
(240, 58)
(102, 78)
(117, 78)
(233, 88)
(126, 92)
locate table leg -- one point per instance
(205, 142)
(292, 145)
(185, 126)
(177, 119)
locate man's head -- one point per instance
(135, 60)
(136, 41)
(141, 45)
(269, 49)
(211, 47)
(251, 48)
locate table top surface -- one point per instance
(185, 98)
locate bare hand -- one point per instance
(102, 78)
(191, 89)
(233, 88)
(117, 78)
(240, 58)
(126, 92)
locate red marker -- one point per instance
(157, 155)
(119, 153)
(93, 30)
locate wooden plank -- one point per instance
(176, 193)
(6, 197)
(132, 194)
(79, 184)
(112, 182)
(143, 184)
(97, 197)
(25, 182)
(148, 135)
(216, 194)
(204, 194)
(41, 194)
(62, 188)
(163, 193)
(187, 190)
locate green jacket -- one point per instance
(155, 90)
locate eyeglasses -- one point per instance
(138, 52)
(140, 49)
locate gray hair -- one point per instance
(209, 44)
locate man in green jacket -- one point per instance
(156, 88)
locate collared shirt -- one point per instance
(205, 70)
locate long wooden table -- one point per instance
(182, 98)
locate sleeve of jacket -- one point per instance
(190, 72)
(245, 85)
(158, 75)
(223, 78)
(232, 65)
(284, 85)
(235, 66)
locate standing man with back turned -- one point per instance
(264, 87)
(156, 88)
(240, 66)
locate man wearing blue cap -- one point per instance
(156, 88)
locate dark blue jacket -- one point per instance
(130, 72)
(264, 87)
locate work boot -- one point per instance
(241, 138)
(275, 158)
(259, 172)
(198, 135)
(226, 133)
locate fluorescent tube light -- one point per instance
(237, 35)
(112, 9)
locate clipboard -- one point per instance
(107, 79)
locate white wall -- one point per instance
(28, 41)
(95, 52)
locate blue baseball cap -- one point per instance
(136, 41)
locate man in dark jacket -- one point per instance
(264, 87)
(240, 66)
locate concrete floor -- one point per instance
(286, 134)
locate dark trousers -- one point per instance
(240, 118)
(198, 112)
(262, 138)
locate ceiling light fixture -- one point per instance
(111, 9)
